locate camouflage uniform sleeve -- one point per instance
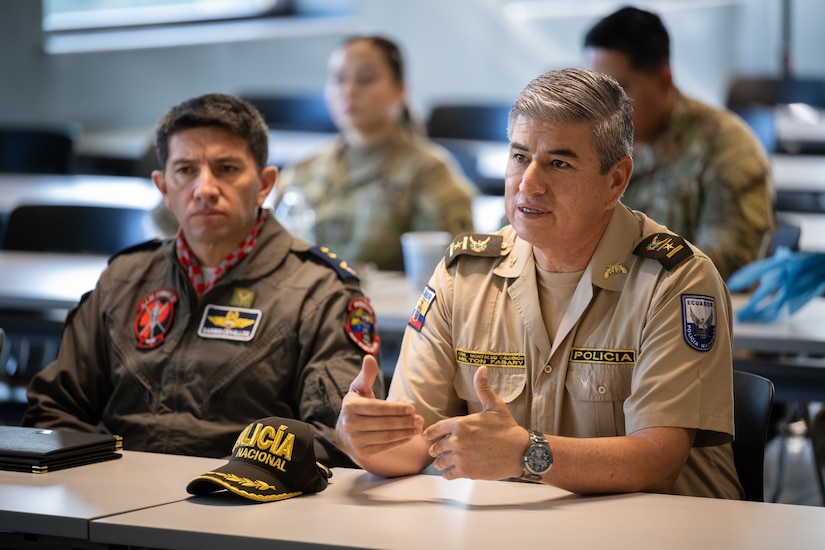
(445, 202)
(737, 220)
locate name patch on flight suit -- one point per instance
(699, 321)
(422, 308)
(490, 358)
(154, 317)
(603, 356)
(670, 250)
(229, 323)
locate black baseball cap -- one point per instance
(272, 459)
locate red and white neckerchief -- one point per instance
(193, 268)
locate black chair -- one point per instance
(483, 121)
(786, 234)
(36, 151)
(752, 403)
(757, 100)
(296, 112)
(81, 229)
(762, 121)
(455, 125)
(766, 91)
(32, 342)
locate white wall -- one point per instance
(477, 49)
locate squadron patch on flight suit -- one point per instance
(360, 325)
(330, 258)
(422, 308)
(474, 244)
(229, 323)
(154, 317)
(670, 250)
(699, 321)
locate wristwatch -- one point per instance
(537, 458)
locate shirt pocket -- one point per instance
(597, 393)
(507, 382)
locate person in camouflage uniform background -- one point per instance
(698, 169)
(381, 177)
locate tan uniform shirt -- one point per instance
(639, 346)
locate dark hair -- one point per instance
(221, 110)
(389, 49)
(577, 95)
(639, 34)
(395, 61)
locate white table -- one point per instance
(801, 333)
(18, 189)
(799, 172)
(38, 281)
(359, 510)
(790, 352)
(63, 503)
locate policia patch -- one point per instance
(670, 250)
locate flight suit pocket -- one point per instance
(597, 393)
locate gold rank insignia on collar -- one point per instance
(475, 244)
(613, 269)
(671, 250)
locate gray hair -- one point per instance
(578, 95)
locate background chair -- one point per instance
(79, 229)
(455, 126)
(482, 122)
(752, 402)
(296, 112)
(36, 151)
(32, 342)
(763, 103)
(767, 91)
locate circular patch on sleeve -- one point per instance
(154, 318)
(360, 325)
(699, 321)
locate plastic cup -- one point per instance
(422, 252)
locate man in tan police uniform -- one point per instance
(583, 336)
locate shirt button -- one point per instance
(602, 390)
(548, 369)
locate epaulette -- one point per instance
(71, 313)
(474, 244)
(154, 244)
(331, 259)
(671, 250)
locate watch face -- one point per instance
(538, 459)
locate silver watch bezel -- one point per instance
(538, 444)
